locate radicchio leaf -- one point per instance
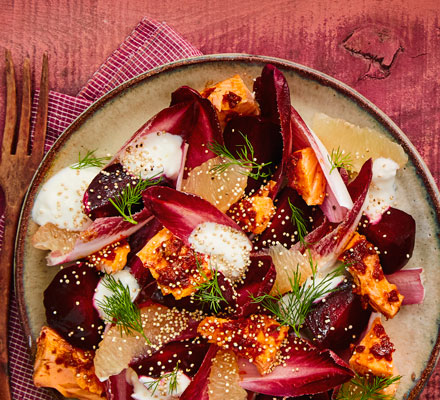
(198, 388)
(273, 96)
(258, 281)
(181, 212)
(409, 284)
(338, 200)
(101, 233)
(265, 138)
(326, 250)
(206, 127)
(306, 370)
(117, 387)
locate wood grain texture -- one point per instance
(387, 50)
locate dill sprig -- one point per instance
(119, 308)
(298, 219)
(339, 159)
(172, 381)
(209, 291)
(132, 195)
(90, 160)
(245, 158)
(292, 308)
(367, 388)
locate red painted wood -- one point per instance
(80, 34)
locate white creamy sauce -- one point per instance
(60, 199)
(101, 291)
(141, 391)
(382, 193)
(154, 154)
(228, 248)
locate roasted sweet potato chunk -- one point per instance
(306, 177)
(111, 258)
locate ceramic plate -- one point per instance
(108, 123)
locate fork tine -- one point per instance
(23, 132)
(11, 106)
(41, 121)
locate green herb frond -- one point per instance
(209, 291)
(292, 308)
(245, 158)
(339, 159)
(298, 220)
(90, 160)
(132, 195)
(119, 308)
(172, 381)
(367, 388)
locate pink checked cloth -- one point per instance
(149, 45)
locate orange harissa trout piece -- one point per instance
(257, 338)
(174, 265)
(230, 98)
(111, 258)
(254, 213)
(306, 177)
(364, 265)
(65, 368)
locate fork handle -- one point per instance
(12, 213)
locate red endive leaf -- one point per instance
(306, 370)
(181, 213)
(198, 388)
(410, 285)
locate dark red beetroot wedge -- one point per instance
(333, 322)
(266, 141)
(206, 127)
(181, 212)
(69, 306)
(282, 229)
(189, 356)
(108, 184)
(306, 370)
(258, 281)
(394, 234)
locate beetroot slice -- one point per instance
(206, 127)
(265, 138)
(181, 212)
(333, 322)
(189, 356)
(108, 184)
(307, 370)
(258, 281)
(68, 301)
(198, 388)
(394, 234)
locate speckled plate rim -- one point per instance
(303, 71)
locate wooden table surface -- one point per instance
(389, 51)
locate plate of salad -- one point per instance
(231, 227)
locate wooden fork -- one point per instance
(18, 163)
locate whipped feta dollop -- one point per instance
(102, 291)
(60, 199)
(229, 249)
(153, 154)
(382, 193)
(163, 390)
